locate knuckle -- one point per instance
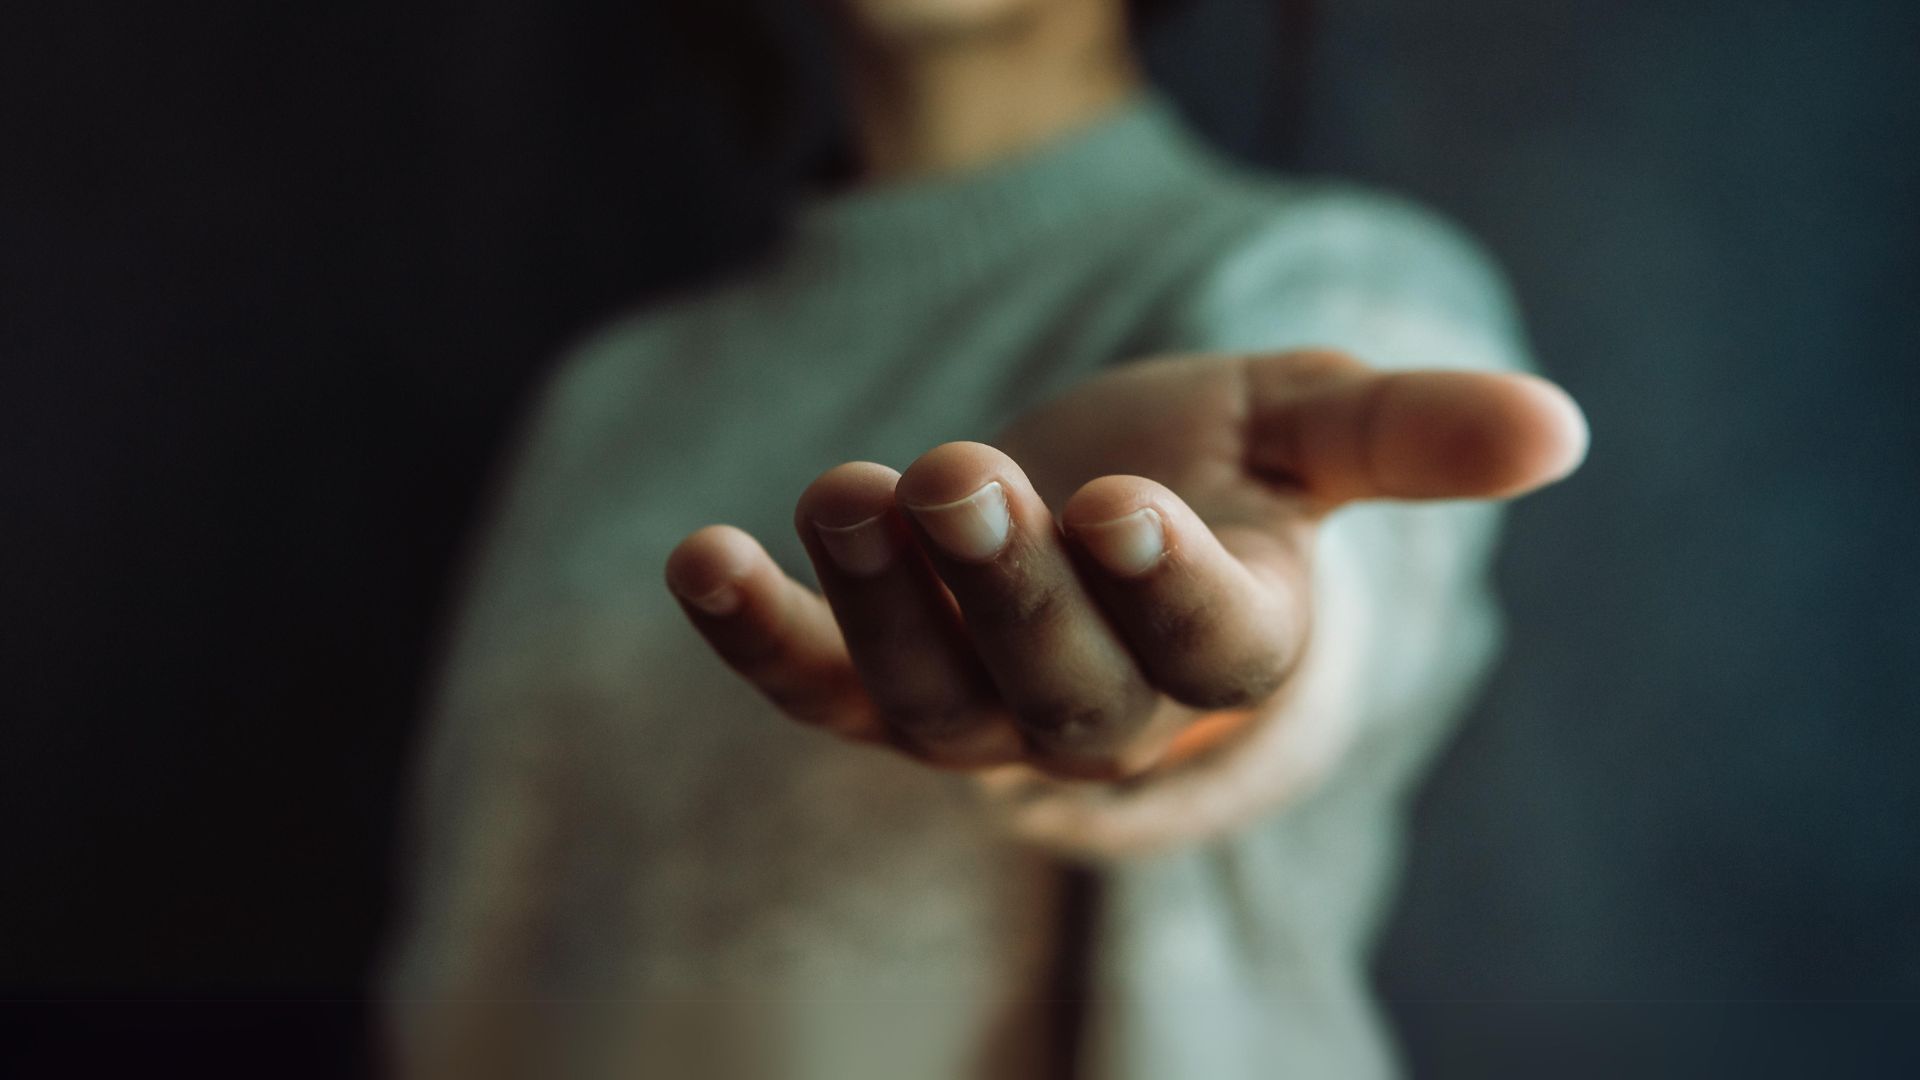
(829, 706)
(927, 726)
(1069, 723)
(1227, 684)
(1185, 629)
(869, 635)
(957, 737)
(890, 632)
(1018, 606)
(756, 657)
(1203, 658)
(1084, 727)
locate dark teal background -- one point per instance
(274, 279)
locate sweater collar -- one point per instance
(1128, 156)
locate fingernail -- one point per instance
(862, 549)
(724, 600)
(1127, 546)
(974, 528)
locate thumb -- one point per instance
(1345, 431)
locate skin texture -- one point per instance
(1040, 653)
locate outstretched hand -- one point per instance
(967, 625)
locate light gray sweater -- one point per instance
(629, 865)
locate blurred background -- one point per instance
(275, 279)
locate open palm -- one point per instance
(1126, 571)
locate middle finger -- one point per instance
(1076, 694)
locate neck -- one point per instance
(942, 103)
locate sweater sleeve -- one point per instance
(538, 655)
(1405, 624)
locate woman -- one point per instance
(1156, 630)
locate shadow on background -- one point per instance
(273, 281)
